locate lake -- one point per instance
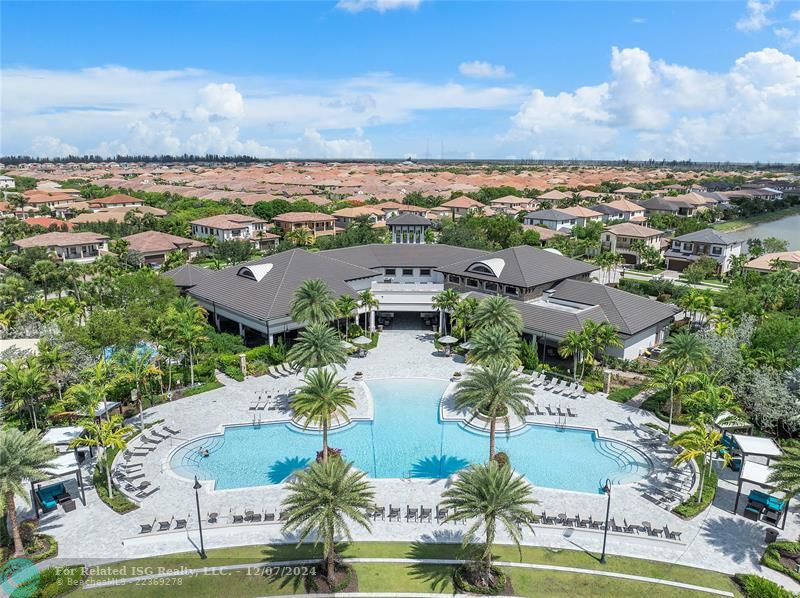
(787, 228)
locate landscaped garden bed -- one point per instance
(783, 556)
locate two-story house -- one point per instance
(118, 200)
(552, 219)
(625, 239)
(346, 216)
(317, 223)
(510, 204)
(79, 247)
(463, 205)
(620, 209)
(235, 227)
(687, 249)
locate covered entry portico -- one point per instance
(406, 305)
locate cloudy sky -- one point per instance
(398, 78)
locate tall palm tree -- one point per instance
(313, 303)
(322, 398)
(711, 399)
(322, 500)
(445, 301)
(137, 366)
(72, 273)
(463, 315)
(603, 335)
(495, 344)
(22, 383)
(498, 311)
(317, 346)
(575, 345)
(687, 349)
(699, 442)
(495, 392)
(43, 271)
(785, 475)
(23, 457)
(54, 360)
(345, 306)
(669, 376)
(369, 302)
(491, 494)
(104, 434)
(187, 324)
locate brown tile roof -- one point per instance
(228, 221)
(114, 199)
(358, 211)
(545, 234)
(47, 222)
(623, 205)
(555, 195)
(153, 241)
(462, 202)
(628, 229)
(304, 217)
(116, 214)
(60, 240)
(580, 212)
(763, 262)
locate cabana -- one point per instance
(105, 407)
(756, 446)
(49, 497)
(759, 502)
(62, 437)
(728, 423)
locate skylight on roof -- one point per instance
(255, 272)
(491, 266)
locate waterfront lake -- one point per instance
(787, 228)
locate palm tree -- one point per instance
(493, 391)
(785, 474)
(23, 457)
(321, 501)
(313, 303)
(54, 360)
(492, 494)
(495, 344)
(22, 383)
(301, 237)
(498, 311)
(104, 434)
(317, 346)
(43, 271)
(575, 345)
(669, 376)
(322, 398)
(463, 315)
(445, 301)
(711, 399)
(72, 273)
(687, 349)
(137, 366)
(603, 335)
(699, 442)
(696, 303)
(187, 324)
(345, 306)
(368, 302)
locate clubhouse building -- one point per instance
(553, 293)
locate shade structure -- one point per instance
(346, 346)
(448, 340)
(362, 340)
(758, 446)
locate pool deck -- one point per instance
(715, 540)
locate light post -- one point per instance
(607, 490)
(197, 487)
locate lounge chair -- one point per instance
(146, 493)
(149, 440)
(171, 431)
(131, 478)
(253, 406)
(180, 524)
(238, 518)
(158, 434)
(556, 388)
(269, 517)
(550, 411)
(584, 522)
(536, 382)
(629, 529)
(262, 406)
(165, 525)
(394, 513)
(539, 411)
(424, 514)
(412, 513)
(581, 392)
(146, 528)
(671, 535)
(139, 488)
(212, 517)
(560, 412)
(441, 514)
(248, 515)
(255, 518)
(379, 512)
(571, 413)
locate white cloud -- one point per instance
(757, 16)
(483, 70)
(221, 100)
(652, 109)
(46, 146)
(795, 16)
(638, 20)
(376, 5)
(314, 145)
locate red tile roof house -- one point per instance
(317, 223)
(461, 206)
(38, 199)
(155, 246)
(79, 247)
(47, 222)
(508, 203)
(235, 227)
(345, 216)
(118, 200)
(621, 238)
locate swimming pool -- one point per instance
(407, 439)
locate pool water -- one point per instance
(407, 439)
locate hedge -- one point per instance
(625, 393)
(772, 557)
(55, 581)
(754, 586)
(119, 503)
(691, 507)
(205, 387)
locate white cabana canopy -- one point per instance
(756, 473)
(61, 437)
(64, 464)
(757, 446)
(728, 421)
(103, 408)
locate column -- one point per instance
(271, 340)
(372, 320)
(241, 329)
(216, 321)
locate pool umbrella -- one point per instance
(448, 340)
(362, 340)
(347, 346)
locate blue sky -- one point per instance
(388, 78)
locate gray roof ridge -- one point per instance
(283, 278)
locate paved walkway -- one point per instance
(401, 561)
(715, 540)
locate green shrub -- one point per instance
(222, 342)
(625, 393)
(119, 503)
(501, 459)
(55, 581)
(528, 355)
(772, 557)
(270, 355)
(205, 387)
(691, 507)
(464, 572)
(754, 586)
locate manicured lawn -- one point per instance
(400, 577)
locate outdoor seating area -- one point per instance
(50, 497)
(764, 507)
(558, 386)
(281, 370)
(128, 475)
(645, 528)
